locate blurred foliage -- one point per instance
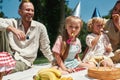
(83, 35)
(2, 14)
(48, 12)
(41, 60)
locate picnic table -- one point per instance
(28, 74)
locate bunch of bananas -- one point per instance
(50, 74)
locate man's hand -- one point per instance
(19, 34)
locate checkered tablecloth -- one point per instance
(6, 61)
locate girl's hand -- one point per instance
(108, 63)
(70, 70)
(108, 48)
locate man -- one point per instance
(25, 37)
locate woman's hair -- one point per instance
(94, 20)
(65, 36)
(23, 1)
(118, 2)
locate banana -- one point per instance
(54, 70)
(36, 77)
(63, 78)
(48, 76)
(69, 78)
(66, 78)
(44, 77)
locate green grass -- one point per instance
(42, 60)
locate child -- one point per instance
(98, 42)
(67, 46)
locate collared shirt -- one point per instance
(36, 37)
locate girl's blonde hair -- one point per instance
(64, 34)
(71, 19)
(94, 20)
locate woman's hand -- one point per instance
(116, 20)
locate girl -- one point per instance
(98, 42)
(67, 46)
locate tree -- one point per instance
(52, 14)
(2, 14)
